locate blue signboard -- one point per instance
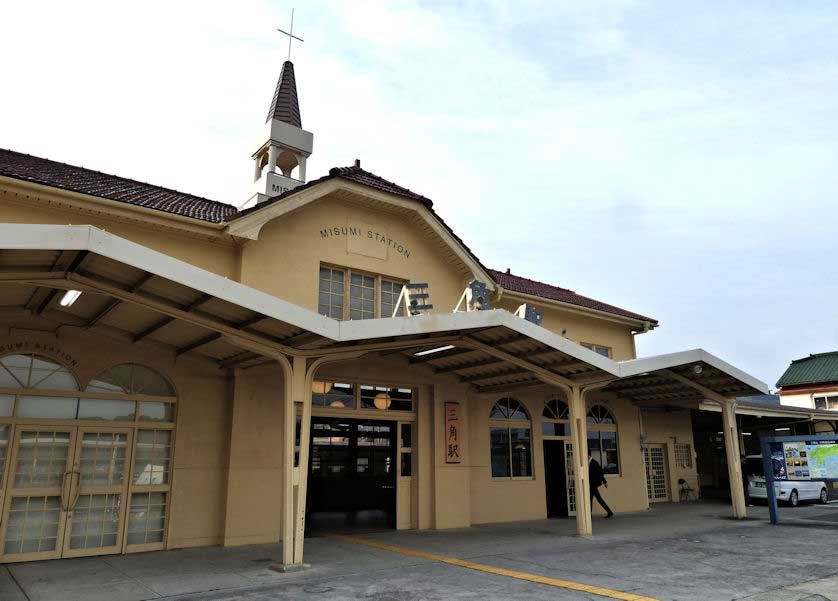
(812, 457)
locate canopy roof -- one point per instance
(139, 294)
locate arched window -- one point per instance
(555, 419)
(602, 438)
(131, 378)
(134, 379)
(510, 439)
(35, 371)
(30, 372)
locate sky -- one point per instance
(676, 159)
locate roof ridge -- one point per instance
(815, 355)
(338, 171)
(122, 177)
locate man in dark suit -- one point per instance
(596, 477)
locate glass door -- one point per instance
(571, 482)
(97, 491)
(656, 484)
(37, 493)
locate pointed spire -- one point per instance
(284, 106)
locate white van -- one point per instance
(787, 491)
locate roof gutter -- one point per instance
(644, 326)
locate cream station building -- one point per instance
(179, 372)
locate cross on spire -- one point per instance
(290, 34)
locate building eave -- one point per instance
(638, 325)
(26, 191)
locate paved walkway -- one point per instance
(673, 552)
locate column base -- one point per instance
(289, 567)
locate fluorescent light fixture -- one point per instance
(782, 429)
(438, 349)
(746, 433)
(70, 297)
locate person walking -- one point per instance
(596, 478)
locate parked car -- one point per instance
(791, 492)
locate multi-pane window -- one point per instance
(602, 439)
(368, 296)
(555, 419)
(683, 455)
(390, 291)
(331, 293)
(605, 351)
(361, 296)
(345, 395)
(510, 440)
(826, 402)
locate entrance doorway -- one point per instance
(66, 495)
(558, 478)
(352, 475)
(657, 486)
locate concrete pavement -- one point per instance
(673, 552)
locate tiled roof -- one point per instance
(353, 174)
(86, 181)
(284, 106)
(814, 369)
(524, 285)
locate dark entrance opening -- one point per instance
(352, 475)
(555, 478)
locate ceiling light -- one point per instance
(438, 349)
(70, 297)
(746, 433)
(782, 429)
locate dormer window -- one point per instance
(352, 294)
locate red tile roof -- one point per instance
(353, 174)
(86, 181)
(517, 283)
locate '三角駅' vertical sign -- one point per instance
(453, 442)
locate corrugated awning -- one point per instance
(140, 295)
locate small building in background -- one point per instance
(811, 382)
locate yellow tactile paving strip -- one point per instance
(567, 584)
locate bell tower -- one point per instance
(280, 161)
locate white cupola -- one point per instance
(280, 161)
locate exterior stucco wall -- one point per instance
(215, 256)
(255, 471)
(198, 476)
(285, 261)
(503, 499)
(667, 428)
(804, 400)
(581, 328)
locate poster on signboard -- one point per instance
(823, 460)
(797, 460)
(453, 442)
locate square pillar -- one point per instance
(734, 465)
(302, 396)
(579, 435)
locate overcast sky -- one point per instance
(679, 161)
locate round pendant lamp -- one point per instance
(382, 401)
